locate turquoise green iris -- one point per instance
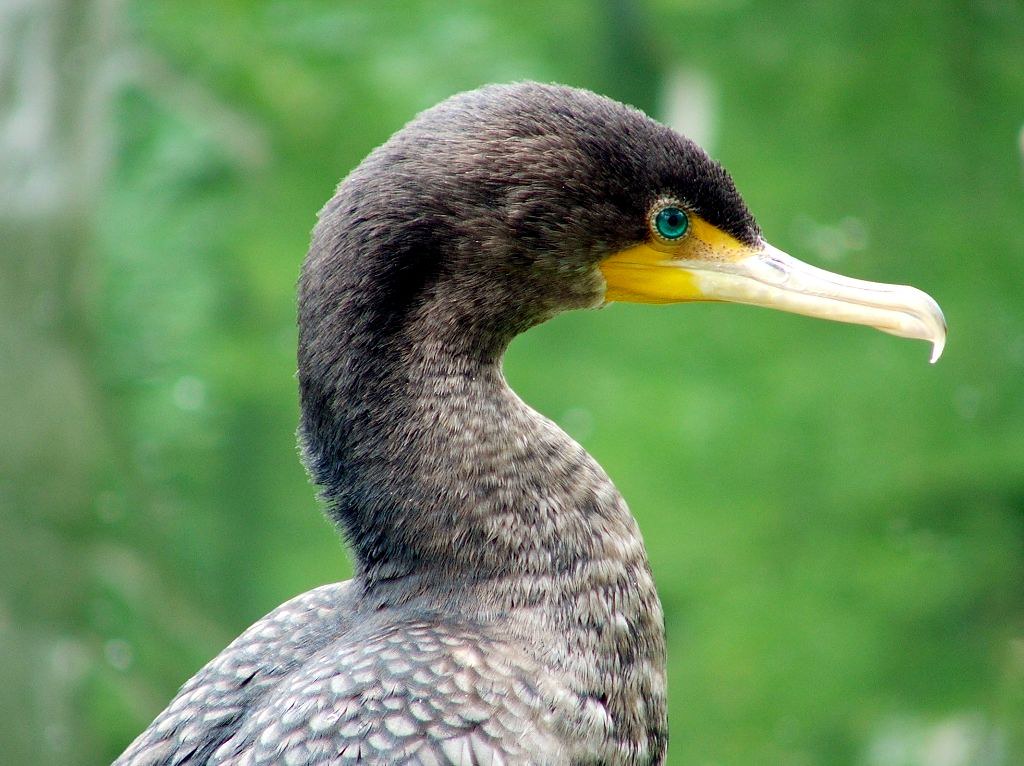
(671, 222)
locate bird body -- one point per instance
(502, 609)
(318, 681)
(542, 660)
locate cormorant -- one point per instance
(502, 609)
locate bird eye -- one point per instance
(671, 222)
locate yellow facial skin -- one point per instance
(645, 273)
(707, 264)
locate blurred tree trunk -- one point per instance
(56, 82)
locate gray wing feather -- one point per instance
(414, 693)
(303, 686)
(212, 705)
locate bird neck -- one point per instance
(434, 467)
(457, 497)
(449, 472)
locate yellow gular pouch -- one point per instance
(656, 271)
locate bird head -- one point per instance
(511, 203)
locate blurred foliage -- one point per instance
(837, 529)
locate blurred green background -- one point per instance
(836, 528)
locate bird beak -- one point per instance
(716, 267)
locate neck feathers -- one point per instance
(457, 497)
